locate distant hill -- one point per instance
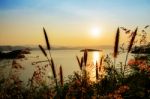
(11, 48)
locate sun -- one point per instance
(95, 31)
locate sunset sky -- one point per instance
(69, 22)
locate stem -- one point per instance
(49, 62)
(50, 54)
(114, 69)
(55, 79)
(114, 63)
(125, 62)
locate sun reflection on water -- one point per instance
(94, 58)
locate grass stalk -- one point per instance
(51, 60)
(80, 62)
(61, 76)
(130, 47)
(85, 56)
(97, 75)
(46, 39)
(116, 46)
(47, 42)
(131, 44)
(54, 72)
(43, 51)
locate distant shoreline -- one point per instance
(11, 48)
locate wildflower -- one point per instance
(142, 65)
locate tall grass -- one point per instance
(51, 62)
(97, 74)
(47, 41)
(80, 63)
(54, 71)
(101, 63)
(132, 40)
(116, 46)
(85, 56)
(134, 34)
(61, 76)
(43, 51)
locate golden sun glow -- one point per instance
(96, 57)
(95, 31)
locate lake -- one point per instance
(65, 58)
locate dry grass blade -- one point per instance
(97, 71)
(132, 40)
(61, 76)
(42, 49)
(53, 68)
(116, 43)
(79, 63)
(85, 56)
(77, 76)
(101, 62)
(46, 38)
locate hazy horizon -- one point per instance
(55, 47)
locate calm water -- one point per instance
(65, 58)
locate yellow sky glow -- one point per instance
(69, 23)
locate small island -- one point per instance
(90, 50)
(15, 54)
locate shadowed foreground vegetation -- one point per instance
(125, 80)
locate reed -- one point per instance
(85, 56)
(97, 75)
(132, 40)
(51, 62)
(47, 42)
(43, 51)
(46, 39)
(61, 76)
(101, 62)
(130, 46)
(45, 54)
(79, 62)
(53, 68)
(54, 71)
(116, 43)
